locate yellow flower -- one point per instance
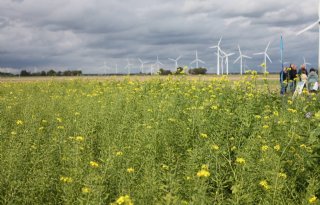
(233, 148)
(282, 175)
(265, 126)
(19, 122)
(59, 119)
(277, 147)
(312, 199)
(264, 148)
(203, 173)
(79, 138)
(290, 102)
(119, 153)
(257, 116)
(124, 200)
(214, 107)
(240, 160)
(66, 179)
(303, 146)
(292, 110)
(203, 135)
(215, 147)
(13, 133)
(85, 190)
(76, 113)
(94, 164)
(165, 167)
(264, 184)
(130, 170)
(60, 127)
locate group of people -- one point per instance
(290, 76)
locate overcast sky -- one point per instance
(83, 34)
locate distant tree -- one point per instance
(24, 73)
(179, 71)
(43, 73)
(198, 71)
(51, 73)
(164, 72)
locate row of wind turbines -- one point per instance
(223, 56)
(222, 60)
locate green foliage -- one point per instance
(160, 141)
(198, 71)
(164, 72)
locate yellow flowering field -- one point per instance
(159, 141)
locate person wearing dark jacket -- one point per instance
(284, 81)
(293, 77)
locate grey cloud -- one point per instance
(85, 33)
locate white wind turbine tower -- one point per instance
(241, 60)
(176, 61)
(158, 63)
(142, 65)
(221, 61)
(197, 60)
(305, 62)
(128, 66)
(226, 56)
(311, 26)
(266, 56)
(218, 55)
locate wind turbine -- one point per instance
(128, 66)
(158, 63)
(176, 61)
(226, 56)
(142, 65)
(218, 55)
(305, 62)
(311, 26)
(197, 60)
(241, 60)
(221, 61)
(266, 56)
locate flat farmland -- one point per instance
(157, 140)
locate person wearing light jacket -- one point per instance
(312, 80)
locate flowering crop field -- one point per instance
(159, 141)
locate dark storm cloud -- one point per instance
(85, 33)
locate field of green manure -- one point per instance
(159, 141)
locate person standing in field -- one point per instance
(284, 81)
(293, 77)
(312, 80)
(303, 69)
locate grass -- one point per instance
(157, 141)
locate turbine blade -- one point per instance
(268, 58)
(201, 61)
(258, 54)
(239, 49)
(267, 46)
(140, 61)
(171, 59)
(193, 62)
(230, 54)
(309, 27)
(179, 58)
(220, 41)
(213, 47)
(237, 60)
(246, 56)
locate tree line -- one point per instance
(52, 73)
